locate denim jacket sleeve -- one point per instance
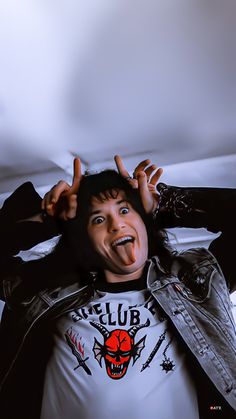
(211, 208)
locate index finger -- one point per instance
(76, 176)
(120, 166)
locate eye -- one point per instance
(97, 220)
(125, 353)
(124, 210)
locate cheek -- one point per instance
(143, 237)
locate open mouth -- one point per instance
(122, 241)
(116, 371)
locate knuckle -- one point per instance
(61, 183)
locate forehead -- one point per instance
(107, 198)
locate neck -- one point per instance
(114, 277)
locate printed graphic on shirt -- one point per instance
(77, 349)
(118, 348)
(118, 357)
(167, 365)
(123, 338)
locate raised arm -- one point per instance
(211, 208)
(25, 220)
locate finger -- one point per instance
(149, 171)
(141, 166)
(120, 166)
(76, 176)
(56, 192)
(50, 209)
(152, 188)
(145, 195)
(47, 200)
(43, 202)
(72, 206)
(155, 178)
(123, 172)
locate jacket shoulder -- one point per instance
(196, 268)
(194, 257)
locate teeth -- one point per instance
(117, 367)
(121, 240)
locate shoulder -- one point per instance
(195, 257)
(196, 269)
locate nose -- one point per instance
(115, 223)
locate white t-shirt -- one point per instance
(117, 358)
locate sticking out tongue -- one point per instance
(126, 253)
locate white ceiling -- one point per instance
(141, 78)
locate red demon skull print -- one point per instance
(118, 348)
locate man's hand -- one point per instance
(61, 200)
(145, 178)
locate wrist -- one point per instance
(175, 200)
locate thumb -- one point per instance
(72, 206)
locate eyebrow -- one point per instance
(96, 212)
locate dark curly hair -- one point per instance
(75, 233)
(74, 258)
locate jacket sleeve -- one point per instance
(18, 235)
(211, 208)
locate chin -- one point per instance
(129, 269)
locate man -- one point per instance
(151, 334)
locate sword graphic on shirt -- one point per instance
(74, 345)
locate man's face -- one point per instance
(118, 234)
